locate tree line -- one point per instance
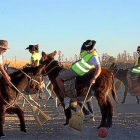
(105, 59)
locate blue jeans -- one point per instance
(87, 109)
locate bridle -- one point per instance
(46, 73)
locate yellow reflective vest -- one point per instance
(82, 66)
(35, 56)
(136, 70)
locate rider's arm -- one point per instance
(97, 71)
(95, 61)
(7, 78)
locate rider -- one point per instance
(134, 72)
(81, 67)
(35, 55)
(87, 110)
(3, 48)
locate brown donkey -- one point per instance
(9, 96)
(104, 84)
(121, 75)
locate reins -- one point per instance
(46, 73)
(30, 77)
(50, 70)
(116, 72)
(12, 104)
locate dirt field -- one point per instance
(18, 64)
(126, 124)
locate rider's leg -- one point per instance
(129, 80)
(64, 76)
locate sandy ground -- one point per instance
(126, 123)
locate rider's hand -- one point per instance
(5, 68)
(92, 81)
(7, 78)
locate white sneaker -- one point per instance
(67, 102)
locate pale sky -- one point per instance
(64, 25)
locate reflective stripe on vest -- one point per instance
(136, 70)
(81, 67)
(36, 56)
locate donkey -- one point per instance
(48, 91)
(9, 96)
(121, 75)
(104, 84)
(45, 87)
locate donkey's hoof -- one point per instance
(66, 123)
(23, 133)
(122, 102)
(101, 125)
(109, 125)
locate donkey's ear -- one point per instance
(44, 55)
(53, 54)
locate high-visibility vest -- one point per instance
(82, 54)
(82, 66)
(136, 70)
(36, 56)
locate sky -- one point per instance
(64, 25)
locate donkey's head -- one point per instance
(113, 66)
(49, 62)
(47, 58)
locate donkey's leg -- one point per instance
(103, 107)
(23, 102)
(138, 100)
(125, 94)
(31, 99)
(20, 113)
(56, 102)
(2, 120)
(110, 112)
(47, 86)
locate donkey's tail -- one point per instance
(113, 90)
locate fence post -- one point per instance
(15, 59)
